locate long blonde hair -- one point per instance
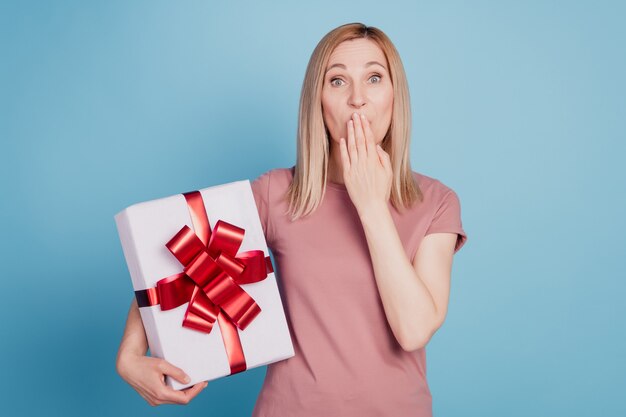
(308, 186)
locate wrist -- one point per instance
(125, 356)
(373, 211)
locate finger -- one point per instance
(385, 159)
(381, 155)
(169, 395)
(360, 138)
(369, 137)
(175, 372)
(195, 390)
(343, 150)
(351, 143)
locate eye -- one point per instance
(332, 82)
(376, 76)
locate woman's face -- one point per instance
(357, 80)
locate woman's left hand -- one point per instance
(367, 171)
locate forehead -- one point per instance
(356, 52)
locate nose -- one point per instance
(357, 97)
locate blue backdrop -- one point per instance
(518, 106)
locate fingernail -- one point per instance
(187, 379)
(363, 116)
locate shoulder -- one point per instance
(432, 188)
(438, 196)
(277, 173)
(273, 180)
(283, 175)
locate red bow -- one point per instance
(212, 273)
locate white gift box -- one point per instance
(145, 228)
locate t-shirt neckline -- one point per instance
(329, 184)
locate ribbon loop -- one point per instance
(185, 245)
(226, 238)
(202, 270)
(201, 313)
(174, 291)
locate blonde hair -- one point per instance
(308, 186)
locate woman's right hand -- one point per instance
(147, 376)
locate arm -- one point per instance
(146, 374)
(414, 296)
(134, 339)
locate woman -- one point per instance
(363, 248)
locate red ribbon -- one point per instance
(212, 273)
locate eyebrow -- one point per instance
(366, 65)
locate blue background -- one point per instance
(518, 106)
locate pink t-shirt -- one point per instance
(347, 361)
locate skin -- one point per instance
(414, 293)
(357, 87)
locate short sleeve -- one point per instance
(447, 219)
(260, 189)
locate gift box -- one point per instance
(204, 282)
